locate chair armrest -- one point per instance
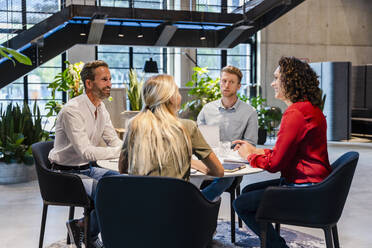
(261, 185)
(63, 188)
(295, 205)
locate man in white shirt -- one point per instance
(236, 119)
(80, 126)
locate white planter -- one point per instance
(16, 173)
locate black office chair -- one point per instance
(317, 206)
(234, 191)
(61, 189)
(158, 212)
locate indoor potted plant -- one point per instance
(268, 117)
(68, 81)
(133, 89)
(19, 129)
(205, 89)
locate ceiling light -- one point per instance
(140, 34)
(121, 33)
(203, 35)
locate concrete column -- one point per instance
(81, 52)
(183, 65)
(332, 30)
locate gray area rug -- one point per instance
(245, 238)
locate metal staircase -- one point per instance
(79, 24)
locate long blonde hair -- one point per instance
(156, 135)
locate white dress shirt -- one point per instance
(78, 133)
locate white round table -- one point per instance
(196, 177)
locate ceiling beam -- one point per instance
(96, 31)
(166, 33)
(232, 36)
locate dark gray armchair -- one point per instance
(141, 212)
(318, 206)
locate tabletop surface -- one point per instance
(112, 164)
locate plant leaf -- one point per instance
(23, 59)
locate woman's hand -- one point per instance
(245, 149)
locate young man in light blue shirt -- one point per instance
(236, 119)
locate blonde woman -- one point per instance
(158, 143)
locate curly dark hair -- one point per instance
(299, 81)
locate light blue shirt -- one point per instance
(238, 122)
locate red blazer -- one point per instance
(300, 153)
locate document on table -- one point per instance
(232, 157)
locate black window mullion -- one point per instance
(24, 27)
(223, 58)
(25, 88)
(253, 74)
(63, 67)
(165, 69)
(131, 57)
(223, 6)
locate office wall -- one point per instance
(331, 30)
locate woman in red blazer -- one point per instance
(300, 153)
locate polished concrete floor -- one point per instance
(21, 207)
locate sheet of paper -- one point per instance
(232, 156)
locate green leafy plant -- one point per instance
(19, 129)
(133, 89)
(11, 53)
(205, 89)
(268, 117)
(68, 81)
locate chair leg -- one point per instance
(335, 237)
(87, 227)
(70, 217)
(42, 229)
(263, 234)
(240, 223)
(232, 216)
(328, 236)
(277, 228)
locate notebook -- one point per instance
(231, 167)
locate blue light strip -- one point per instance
(154, 24)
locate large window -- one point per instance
(15, 16)
(148, 4)
(240, 56)
(210, 58)
(121, 58)
(117, 57)
(218, 5)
